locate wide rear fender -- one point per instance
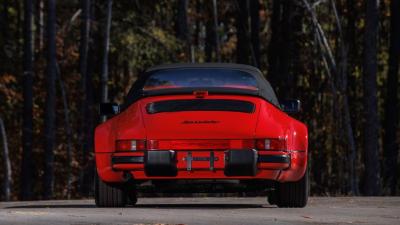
(127, 125)
(298, 133)
(273, 123)
(298, 150)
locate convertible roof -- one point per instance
(204, 65)
(265, 90)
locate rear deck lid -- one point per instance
(185, 117)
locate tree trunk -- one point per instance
(371, 124)
(242, 28)
(284, 47)
(7, 182)
(217, 40)
(27, 124)
(210, 40)
(273, 46)
(50, 115)
(5, 30)
(83, 63)
(4, 18)
(182, 27)
(18, 26)
(342, 85)
(352, 154)
(255, 31)
(40, 24)
(88, 166)
(391, 147)
(104, 74)
(350, 82)
(68, 131)
(84, 42)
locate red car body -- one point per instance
(201, 143)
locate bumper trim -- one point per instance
(127, 159)
(140, 159)
(273, 159)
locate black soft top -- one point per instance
(264, 88)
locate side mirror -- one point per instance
(291, 106)
(108, 109)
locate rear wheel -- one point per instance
(107, 195)
(291, 194)
(132, 197)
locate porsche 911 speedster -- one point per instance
(196, 127)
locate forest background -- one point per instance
(60, 59)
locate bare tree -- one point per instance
(209, 40)
(273, 47)
(68, 131)
(5, 36)
(18, 8)
(339, 88)
(342, 85)
(242, 29)
(283, 50)
(255, 31)
(4, 19)
(50, 115)
(182, 26)
(27, 124)
(40, 23)
(84, 70)
(217, 41)
(104, 73)
(7, 182)
(391, 147)
(371, 119)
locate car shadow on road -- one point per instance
(146, 206)
(52, 206)
(202, 206)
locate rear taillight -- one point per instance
(271, 144)
(152, 145)
(259, 144)
(130, 145)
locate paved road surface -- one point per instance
(204, 211)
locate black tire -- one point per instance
(107, 195)
(292, 194)
(272, 198)
(132, 197)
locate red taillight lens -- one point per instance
(271, 144)
(152, 145)
(248, 144)
(130, 145)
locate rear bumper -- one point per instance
(235, 164)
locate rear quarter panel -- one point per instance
(274, 123)
(126, 125)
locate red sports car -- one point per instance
(196, 127)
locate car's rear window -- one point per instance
(200, 78)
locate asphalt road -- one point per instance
(325, 210)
